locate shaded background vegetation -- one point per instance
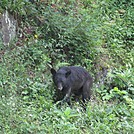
(97, 35)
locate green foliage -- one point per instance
(71, 37)
(14, 6)
(93, 34)
(118, 85)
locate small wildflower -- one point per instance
(36, 36)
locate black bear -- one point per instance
(72, 80)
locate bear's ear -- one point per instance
(53, 72)
(68, 73)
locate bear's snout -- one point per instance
(60, 87)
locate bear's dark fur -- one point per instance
(72, 80)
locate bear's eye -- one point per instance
(60, 80)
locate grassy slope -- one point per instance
(26, 90)
(26, 106)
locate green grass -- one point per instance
(19, 116)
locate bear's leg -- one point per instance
(67, 97)
(86, 91)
